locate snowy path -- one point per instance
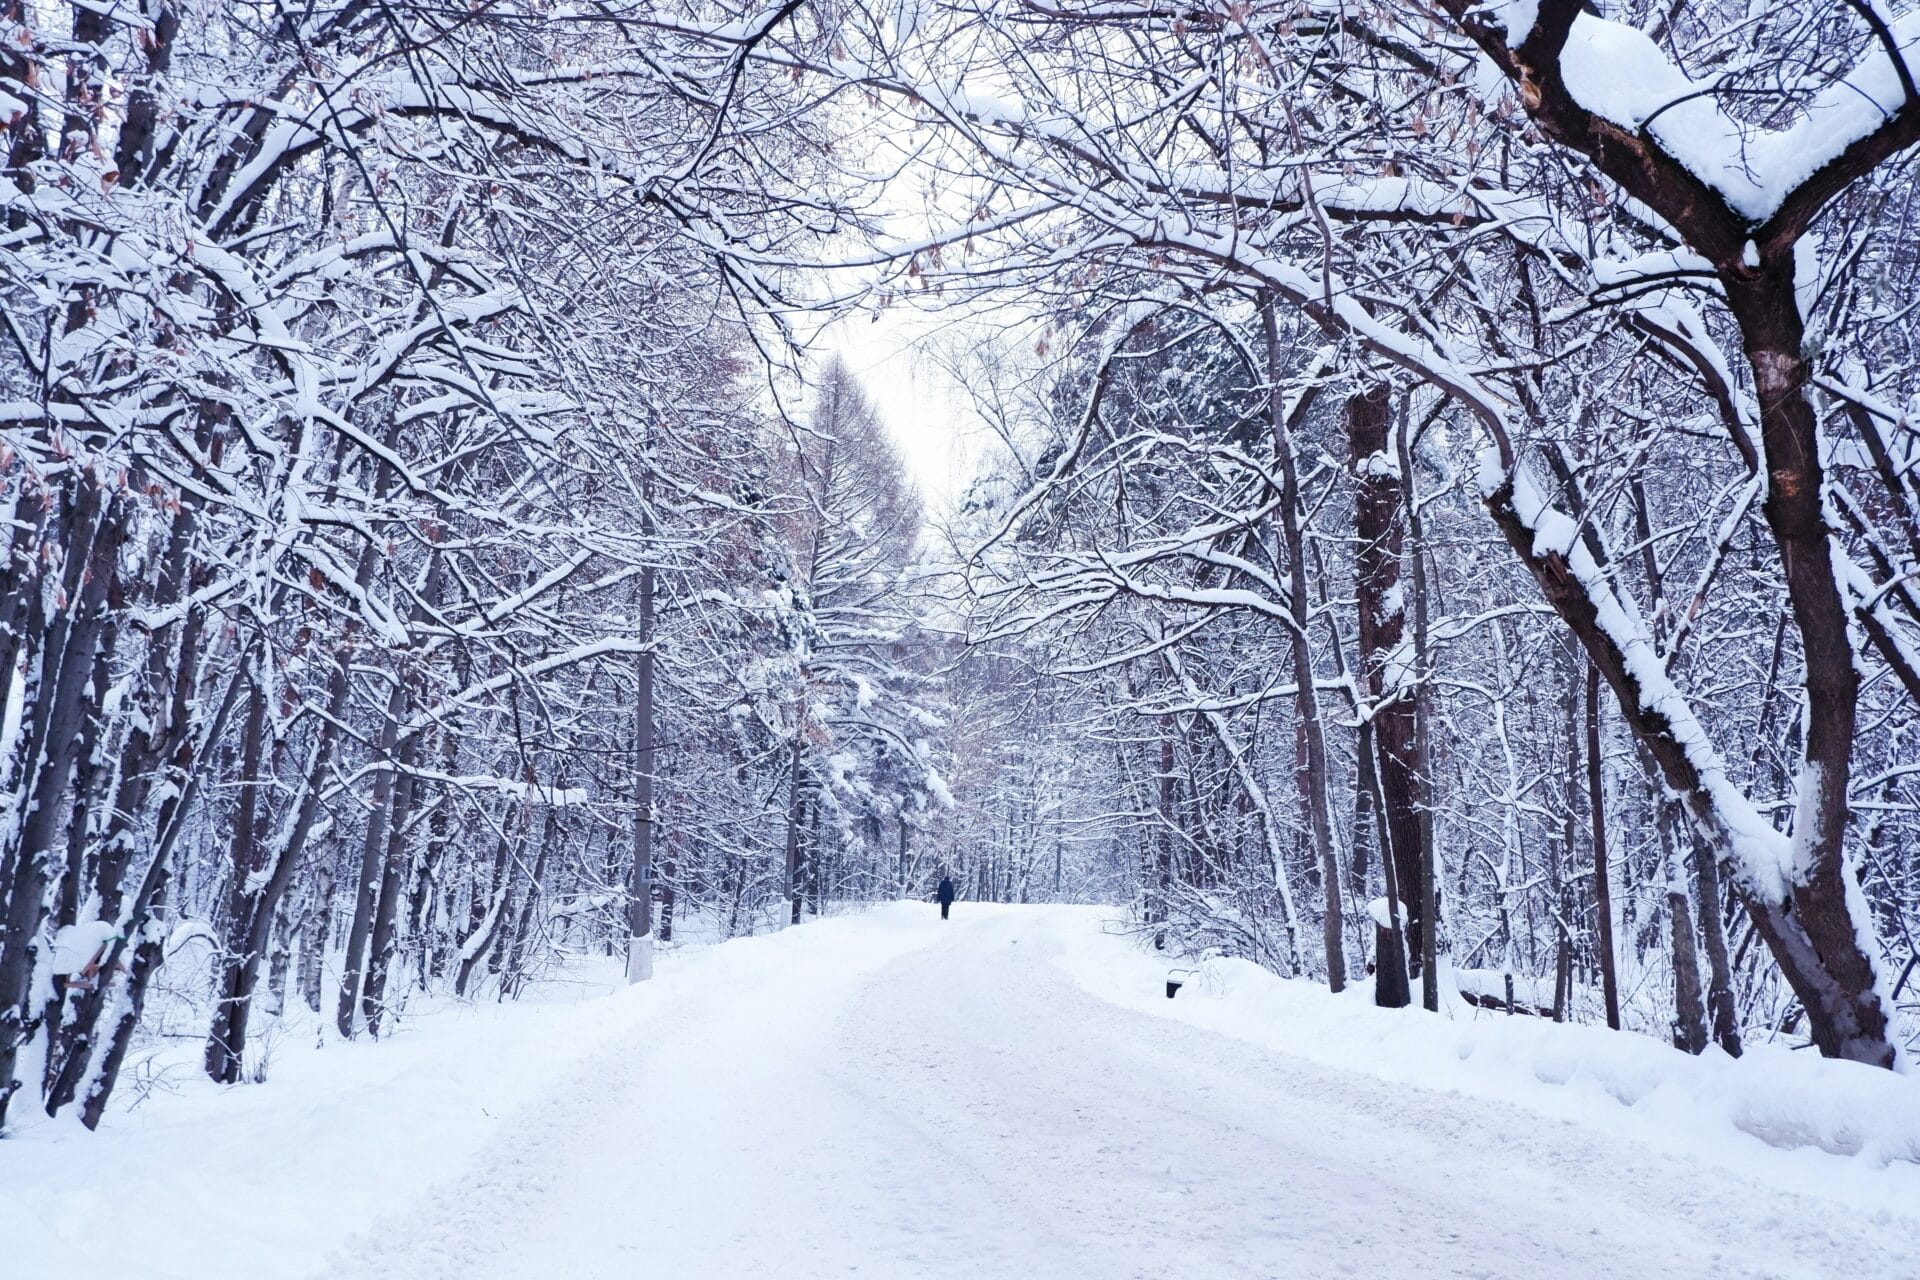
(913, 1100)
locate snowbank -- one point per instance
(1835, 1129)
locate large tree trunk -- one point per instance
(1799, 919)
(1834, 971)
(1803, 896)
(1391, 729)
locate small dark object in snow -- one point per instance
(1173, 985)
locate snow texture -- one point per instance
(1619, 73)
(1010, 1094)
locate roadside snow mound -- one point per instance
(1770, 1106)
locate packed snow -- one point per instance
(1009, 1094)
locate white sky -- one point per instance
(929, 415)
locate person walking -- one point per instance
(945, 895)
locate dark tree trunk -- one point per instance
(1690, 1010)
(1421, 782)
(226, 1043)
(1602, 876)
(795, 812)
(1808, 917)
(366, 889)
(57, 715)
(1713, 933)
(382, 939)
(1379, 506)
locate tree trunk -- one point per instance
(489, 901)
(1713, 932)
(1803, 921)
(381, 939)
(514, 977)
(366, 889)
(227, 1040)
(57, 714)
(794, 815)
(1421, 784)
(1379, 504)
(1602, 876)
(183, 783)
(640, 887)
(1160, 870)
(1689, 1009)
(1802, 896)
(1314, 776)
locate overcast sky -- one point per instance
(930, 416)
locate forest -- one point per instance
(1446, 519)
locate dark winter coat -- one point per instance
(945, 893)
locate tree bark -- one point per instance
(1833, 976)
(227, 1040)
(1689, 1008)
(1392, 727)
(1421, 784)
(1713, 932)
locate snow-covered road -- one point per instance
(892, 1097)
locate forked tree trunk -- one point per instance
(1802, 894)
(1800, 922)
